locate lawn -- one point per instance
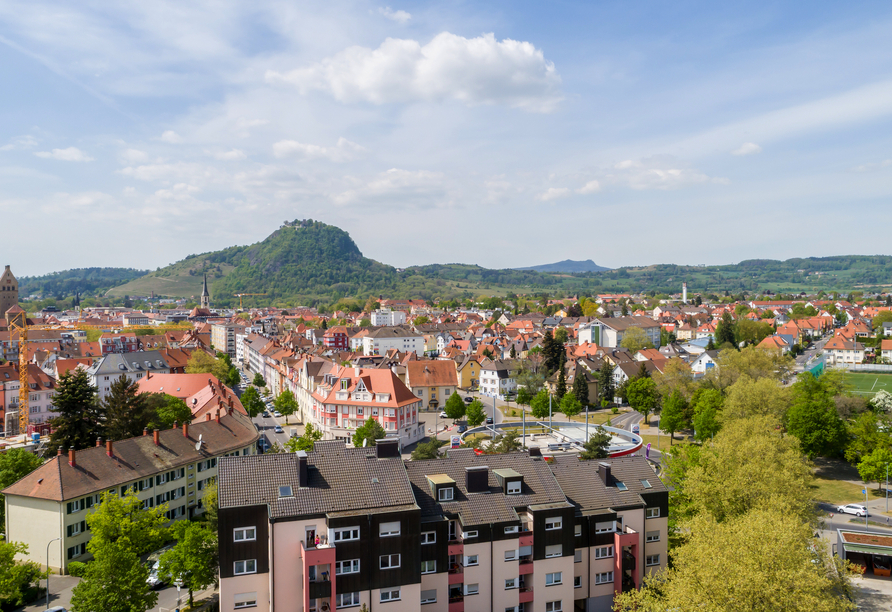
(868, 383)
(841, 491)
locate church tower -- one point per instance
(9, 291)
(205, 296)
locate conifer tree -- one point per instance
(125, 410)
(79, 419)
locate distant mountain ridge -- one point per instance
(569, 266)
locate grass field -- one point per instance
(868, 383)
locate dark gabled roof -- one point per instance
(134, 458)
(340, 479)
(585, 489)
(491, 506)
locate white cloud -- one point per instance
(134, 156)
(554, 193)
(658, 172)
(233, 155)
(400, 17)
(21, 142)
(419, 188)
(473, 71)
(747, 148)
(590, 187)
(70, 154)
(171, 137)
(343, 151)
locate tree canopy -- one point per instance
(78, 420)
(369, 433)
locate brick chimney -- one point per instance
(59, 451)
(218, 415)
(186, 429)
(156, 437)
(207, 416)
(145, 431)
(176, 425)
(71, 459)
(98, 442)
(108, 448)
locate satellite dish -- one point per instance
(198, 444)
(365, 442)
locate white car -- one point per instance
(855, 509)
(443, 414)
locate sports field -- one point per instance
(868, 383)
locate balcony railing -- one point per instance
(456, 598)
(456, 568)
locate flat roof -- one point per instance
(440, 479)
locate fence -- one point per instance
(865, 367)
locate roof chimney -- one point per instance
(207, 416)
(156, 437)
(302, 468)
(604, 472)
(535, 451)
(477, 478)
(98, 442)
(218, 415)
(186, 429)
(71, 460)
(387, 447)
(108, 448)
(59, 451)
(145, 431)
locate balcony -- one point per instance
(525, 595)
(457, 604)
(525, 539)
(456, 574)
(456, 548)
(525, 566)
(320, 589)
(629, 561)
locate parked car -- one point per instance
(265, 414)
(276, 413)
(153, 580)
(489, 420)
(443, 414)
(469, 399)
(462, 428)
(278, 429)
(856, 509)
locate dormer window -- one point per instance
(514, 487)
(445, 494)
(345, 384)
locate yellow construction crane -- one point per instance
(240, 295)
(18, 328)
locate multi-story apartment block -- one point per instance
(386, 316)
(345, 527)
(381, 340)
(42, 388)
(497, 377)
(169, 467)
(336, 338)
(132, 365)
(608, 332)
(223, 337)
(118, 343)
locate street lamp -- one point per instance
(48, 572)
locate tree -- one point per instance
(202, 363)
(580, 387)
(286, 404)
(570, 406)
(123, 521)
(115, 581)
(16, 577)
(672, 416)
(874, 467)
(79, 417)
(369, 433)
(428, 450)
(167, 409)
(634, 339)
(813, 419)
(194, 558)
(233, 378)
(306, 442)
(753, 361)
(211, 505)
(884, 316)
(676, 376)
(642, 396)
(560, 390)
(251, 401)
(455, 407)
(561, 336)
(16, 463)
(371, 304)
(551, 352)
(752, 332)
(867, 433)
(509, 442)
(763, 396)
(258, 380)
(524, 397)
(707, 406)
(606, 385)
(596, 446)
(125, 410)
(475, 414)
(724, 331)
(530, 379)
(539, 406)
(513, 353)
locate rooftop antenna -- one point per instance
(198, 444)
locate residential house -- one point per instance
(840, 350)
(497, 377)
(468, 371)
(433, 381)
(381, 340)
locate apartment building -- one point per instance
(336, 338)
(345, 527)
(433, 381)
(169, 468)
(42, 388)
(118, 343)
(381, 340)
(134, 366)
(609, 332)
(386, 316)
(223, 337)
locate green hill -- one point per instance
(77, 280)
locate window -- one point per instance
(603, 552)
(652, 560)
(77, 550)
(577, 556)
(245, 567)
(514, 487)
(444, 494)
(608, 527)
(346, 534)
(472, 589)
(604, 578)
(621, 486)
(646, 484)
(555, 550)
(577, 530)
(468, 534)
(553, 606)
(390, 595)
(429, 596)
(389, 529)
(75, 506)
(347, 600)
(652, 513)
(350, 566)
(554, 578)
(510, 583)
(577, 582)
(428, 567)
(512, 529)
(245, 600)
(428, 537)
(471, 560)
(160, 479)
(652, 536)
(510, 555)
(389, 561)
(148, 503)
(553, 523)
(77, 528)
(244, 534)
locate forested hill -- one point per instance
(78, 280)
(568, 265)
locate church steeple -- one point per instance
(205, 296)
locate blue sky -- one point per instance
(504, 133)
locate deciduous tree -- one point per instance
(306, 442)
(251, 402)
(369, 433)
(642, 396)
(15, 464)
(202, 363)
(194, 558)
(875, 466)
(16, 577)
(763, 396)
(707, 407)
(455, 407)
(672, 417)
(570, 406)
(813, 419)
(475, 414)
(286, 404)
(258, 380)
(428, 450)
(115, 581)
(634, 339)
(539, 405)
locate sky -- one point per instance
(504, 134)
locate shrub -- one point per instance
(77, 569)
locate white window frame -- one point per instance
(554, 578)
(348, 566)
(428, 601)
(337, 534)
(428, 537)
(554, 606)
(244, 531)
(510, 555)
(604, 578)
(514, 487)
(604, 552)
(390, 595)
(512, 529)
(247, 563)
(472, 589)
(651, 560)
(390, 559)
(354, 600)
(554, 523)
(652, 536)
(469, 534)
(469, 563)
(510, 583)
(577, 582)
(611, 529)
(577, 530)
(426, 568)
(652, 513)
(387, 530)
(445, 494)
(247, 603)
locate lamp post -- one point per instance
(887, 488)
(48, 570)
